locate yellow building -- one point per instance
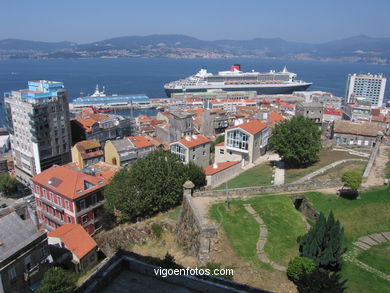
(87, 152)
(122, 152)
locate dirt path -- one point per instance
(377, 174)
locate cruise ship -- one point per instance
(267, 83)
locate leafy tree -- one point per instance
(352, 179)
(153, 184)
(297, 141)
(218, 140)
(324, 243)
(321, 282)
(196, 175)
(299, 266)
(56, 280)
(7, 184)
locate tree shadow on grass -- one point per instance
(350, 194)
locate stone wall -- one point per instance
(195, 232)
(255, 190)
(224, 175)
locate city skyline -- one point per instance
(90, 21)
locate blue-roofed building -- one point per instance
(108, 101)
(39, 127)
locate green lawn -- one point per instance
(359, 217)
(326, 157)
(377, 257)
(283, 222)
(361, 281)
(339, 170)
(257, 176)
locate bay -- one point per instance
(147, 76)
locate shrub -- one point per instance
(157, 230)
(299, 266)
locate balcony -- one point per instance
(52, 204)
(90, 208)
(51, 217)
(31, 272)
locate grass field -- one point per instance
(359, 217)
(377, 257)
(283, 222)
(326, 157)
(259, 175)
(338, 171)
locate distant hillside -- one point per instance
(358, 48)
(15, 44)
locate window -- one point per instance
(94, 199)
(44, 192)
(27, 262)
(67, 204)
(68, 219)
(59, 200)
(84, 219)
(82, 204)
(238, 140)
(12, 273)
(193, 157)
(51, 196)
(179, 151)
(204, 153)
(221, 152)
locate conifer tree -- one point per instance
(321, 282)
(324, 243)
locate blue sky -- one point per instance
(93, 20)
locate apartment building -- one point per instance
(65, 195)
(87, 153)
(367, 86)
(38, 121)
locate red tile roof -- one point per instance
(210, 170)
(220, 144)
(68, 182)
(329, 111)
(139, 141)
(193, 141)
(75, 238)
(253, 127)
(275, 117)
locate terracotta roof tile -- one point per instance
(69, 182)
(139, 141)
(75, 238)
(193, 141)
(253, 127)
(210, 170)
(275, 117)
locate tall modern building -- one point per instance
(38, 121)
(367, 86)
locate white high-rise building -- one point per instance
(38, 122)
(367, 86)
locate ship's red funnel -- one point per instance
(235, 67)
